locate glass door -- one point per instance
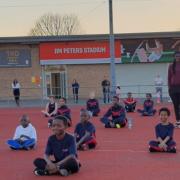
(48, 84)
(63, 84)
(55, 84)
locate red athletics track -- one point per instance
(122, 154)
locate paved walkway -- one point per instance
(38, 103)
(42, 103)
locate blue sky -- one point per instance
(18, 16)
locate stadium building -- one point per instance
(48, 65)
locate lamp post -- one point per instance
(112, 52)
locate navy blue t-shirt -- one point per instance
(64, 111)
(61, 148)
(163, 131)
(81, 128)
(92, 104)
(116, 111)
(148, 103)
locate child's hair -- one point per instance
(166, 110)
(149, 94)
(63, 119)
(63, 99)
(116, 97)
(51, 96)
(24, 117)
(129, 93)
(85, 111)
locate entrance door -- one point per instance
(56, 84)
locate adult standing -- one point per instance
(158, 81)
(75, 88)
(106, 89)
(16, 91)
(174, 86)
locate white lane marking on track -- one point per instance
(121, 150)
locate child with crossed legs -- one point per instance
(117, 112)
(61, 145)
(85, 132)
(164, 134)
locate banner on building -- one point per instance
(148, 50)
(151, 50)
(15, 57)
(78, 52)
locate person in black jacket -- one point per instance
(16, 91)
(117, 113)
(75, 88)
(106, 90)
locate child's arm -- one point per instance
(87, 134)
(68, 114)
(159, 140)
(46, 110)
(55, 110)
(97, 104)
(87, 105)
(162, 143)
(17, 134)
(108, 113)
(170, 134)
(51, 167)
(158, 136)
(166, 140)
(123, 114)
(24, 136)
(65, 159)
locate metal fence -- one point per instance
(39, 95)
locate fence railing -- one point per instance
(138, 91)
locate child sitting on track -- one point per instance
(148, 106)
(164, 134)
(85, 132)
(62, 146)
(25, 135)
(62, 110)
(51, 107)
(118, 114)
(130, 103)
(93, 105)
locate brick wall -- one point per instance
(89, 77)
(23, 75)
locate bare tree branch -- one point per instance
(55, 24)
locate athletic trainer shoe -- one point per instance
(63, 172)
(172, 150)
(177, 125)
(40, 172)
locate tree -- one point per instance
(55, 24)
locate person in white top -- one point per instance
(159, 85)
(118, 91)
(25, 136)
(16, 91)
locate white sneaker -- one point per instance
(177, 125)
(63, 172)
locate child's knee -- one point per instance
(40, 163)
